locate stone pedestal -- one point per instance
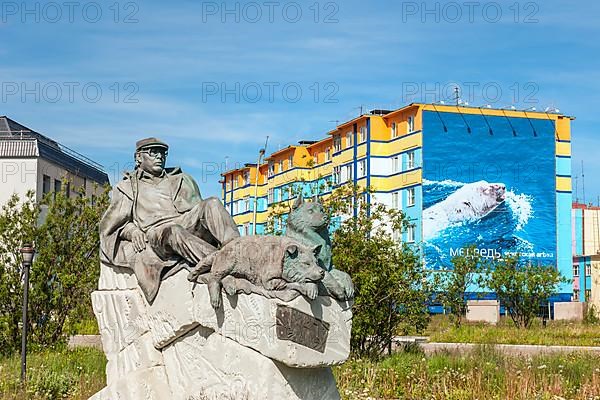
(179, 347)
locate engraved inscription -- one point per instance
(299, 327)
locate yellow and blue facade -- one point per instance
(414, 156)
(586, 253)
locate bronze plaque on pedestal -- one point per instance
(301, 328)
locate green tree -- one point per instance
(64, 272)
(66, 269)
(17, 226)
(456, 282)
(392, 290)
(522, 289)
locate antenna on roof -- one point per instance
(582, 182)
(361, 108)
(457, 95)
(261, 154)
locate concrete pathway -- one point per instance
(84, 341)
(422, 341)
(509, 349)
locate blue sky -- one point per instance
(161, 67)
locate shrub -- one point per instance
(65, 269)
(521, 288)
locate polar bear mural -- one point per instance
(468, 203)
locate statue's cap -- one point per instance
(150, 142)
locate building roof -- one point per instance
(583, 206)
(19, 141)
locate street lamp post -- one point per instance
(27, 252)
(261, 154)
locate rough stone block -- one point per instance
(115, 278)
(122, 318)
(483, 311)
(139, 355)
(179, 347)
(205, 365)
(147, 384)
(251, 320)
(565, 311)
(172, 313)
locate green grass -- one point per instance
(54, 374)
(483, 374)
(83, 327)
(555, 333)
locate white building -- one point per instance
(32, 161)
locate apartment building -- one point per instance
(32, 161)
(496, 178)
(586, 253)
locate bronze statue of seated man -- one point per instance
(157, 219)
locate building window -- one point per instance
(347, 173)
(396, 235)
(575, 271)
(362, 168)
(410, 234)
(270, 196)
(246, 177)
(588, 269)
(57, 185)
(236, 207)
(588, 295)
(328, 154)
(315, 159)
(228, 183)
(411, 124)
(235, 182)
(248, 205)
(396, 164)
(394, 129)
(280, 166)
(575, 294)
(396, 200)
(277, 195)
(348, 139)
(271, 169)
(362, 134)
(46, 184)
(337, 143)
(410, 198)
(337, 175)
(291, 161)
(410, 160)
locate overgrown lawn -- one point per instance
(555, 333)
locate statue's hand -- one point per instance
(138, 238)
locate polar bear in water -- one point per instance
(468, 203)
